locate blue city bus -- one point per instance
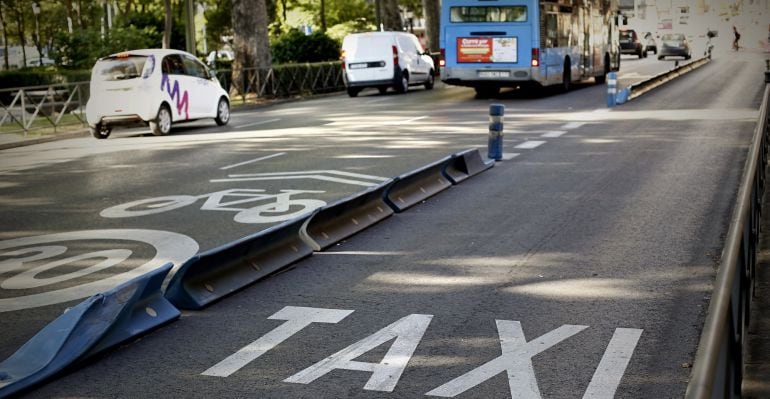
(489, 44)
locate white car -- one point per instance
(159, 87)
(385, 59)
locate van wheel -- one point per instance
(403, 85)
(100, 131)
(431, 81)
(383, 89)
(223, 112)
(352, 92)
(161, 126)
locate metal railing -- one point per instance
(24, 109)
(40, 107)
(284, 80)
(718, 366)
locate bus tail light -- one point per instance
(442, 59)
(535, 57)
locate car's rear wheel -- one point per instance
(403, 84)
(161, 126)
(431, 80)
(603, 77)
(100, 131)
(223, 112)
(383, 89)
(353, 92)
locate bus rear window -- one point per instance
(488, 14)
(120, 68)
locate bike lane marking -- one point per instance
(322, 175)
(253, 161)
(170, 247)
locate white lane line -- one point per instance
(257, 123)
(252, 161)
(297, 177)
(554, 133)
(508, 157)
(413, 119)
(531, 144)
(573, 125)
(305, 172)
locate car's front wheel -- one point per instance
(100, 131)
(161, 126)
(223, 112)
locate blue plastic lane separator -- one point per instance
(216, 273)
(465, 164)
(412, 187)
(96, 324)
(335, 222)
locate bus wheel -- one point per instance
(486, 92)
(566, 82)
(603, 77)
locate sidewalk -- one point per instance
(756, 378)
(13, 140)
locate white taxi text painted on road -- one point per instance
(407, 332)
(516, 361)
(296, 318)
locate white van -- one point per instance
(385, 59)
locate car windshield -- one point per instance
(626, 35)
(673, 37)
(120, 67)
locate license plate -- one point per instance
(494, 74)
(359, 65)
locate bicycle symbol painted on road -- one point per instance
(271, 208)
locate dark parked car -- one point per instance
(674, 45)
(630, 43)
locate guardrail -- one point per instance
(718, 366)
(40, 107)
(284, 80)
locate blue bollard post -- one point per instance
(495, 145)
(612, 84)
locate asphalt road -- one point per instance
(590, 247)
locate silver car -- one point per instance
(674, 45)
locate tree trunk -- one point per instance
(20, 31)
(391, 18)
(5, 37)
(80, 15)
(323, 16)
(250, 45)
(168, 24)
(432, 11)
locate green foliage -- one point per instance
(219, 22)
(295, 46)
(339, 31)
(82, 48)
(37, 77)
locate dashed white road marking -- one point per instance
(257, 123)
(554, 133)
(508, 157)
(573, 125)
(530, 144)
(252, 161)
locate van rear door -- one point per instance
(368, 57)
